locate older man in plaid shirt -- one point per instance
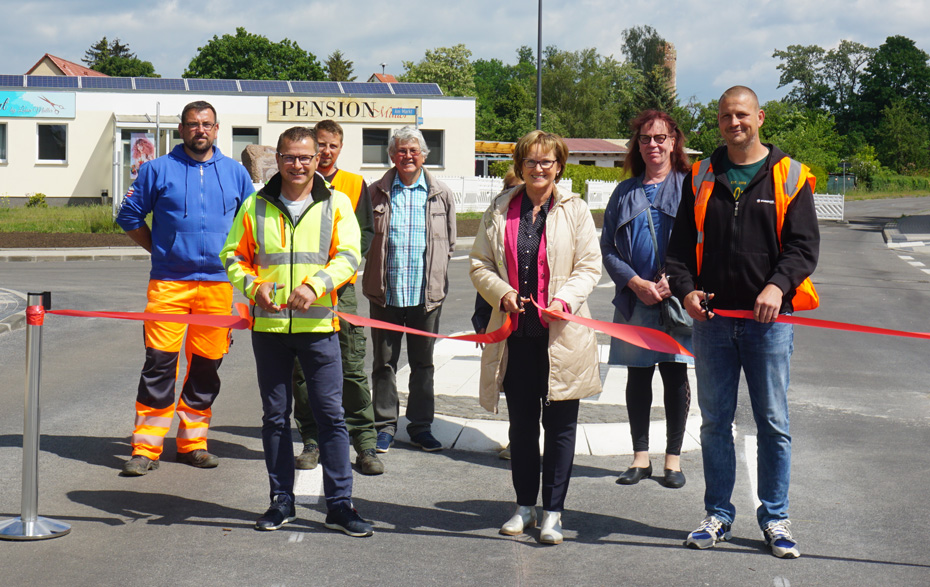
(405, 280)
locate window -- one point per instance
(586, 162)
(53, 143)
(618, 163)
(434, 140)
(3, 143)
(242, 138)
(374, 146)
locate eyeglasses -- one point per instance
(646, 139)
(196, 125)
(304, 159)
(406, 152)
(544, 163)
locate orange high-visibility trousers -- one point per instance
(204, 350)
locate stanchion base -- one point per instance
(41, 529)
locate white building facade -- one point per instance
(71, 138)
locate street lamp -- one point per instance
(539, 71)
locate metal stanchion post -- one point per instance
(31, 526)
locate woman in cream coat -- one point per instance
(538, 243)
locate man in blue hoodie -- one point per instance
(193, 194)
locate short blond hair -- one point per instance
(545, 140)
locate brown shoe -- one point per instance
(309, 458)
(138, 465)
(199, 458)
(368, 462)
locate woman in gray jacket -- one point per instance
(637, 225)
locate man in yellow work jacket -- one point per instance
(291, 246)
(356, 395)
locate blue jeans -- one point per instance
(320, 360)
(721, 347)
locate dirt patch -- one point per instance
(61, 240)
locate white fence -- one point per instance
(828, 206)
(474, 194)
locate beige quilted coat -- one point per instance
(574, 259)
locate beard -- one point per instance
(199, 146)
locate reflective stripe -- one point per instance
(701, 176)
(193, 433)
(261, 209)
(193, 418)
(793, 178)
(326, 279)
(271, 259)
(315, 312)
(353, 260)
(149, 439)
(154, 421)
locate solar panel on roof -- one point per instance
(417, 89)
(107, 83)
(265, 86)
(51, 81)
(11, 81)
(316, 87)
(365, 88)
(160, 83)
(212, 85)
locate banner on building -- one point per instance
(36, 104)
(309, 109)
(142, 150)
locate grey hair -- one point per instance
(406, 134)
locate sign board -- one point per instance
(310, 109)
(37, 105)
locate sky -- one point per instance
(729, 44)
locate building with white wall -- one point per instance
(71, 137)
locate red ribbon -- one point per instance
(829, 324)
(240, 322)
(498, 335)
(35, 315)
(640, 336)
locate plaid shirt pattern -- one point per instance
(406, 244)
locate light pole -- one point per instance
(539, 71)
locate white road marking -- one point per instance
(308, 485)
(905, 257)
(916, 264)
(904, 244)
(752, 466)
(460, 258)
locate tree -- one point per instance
(655, 92)
(699, 123)
(115, 59)
(123, 67)
(644, 47)
(903, 139)
(250, 56)
(842, 73)
(447, 66)
(338, 69)
(590, 93)
(897, 71)
(801, 65)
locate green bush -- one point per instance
(37, 200)
(892, 182)
(821, 174)
(579, 173)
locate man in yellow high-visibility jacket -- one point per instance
(292, 245)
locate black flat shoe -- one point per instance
(674, 479)
(633, 475)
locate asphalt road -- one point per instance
(860, 422)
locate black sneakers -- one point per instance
(280, 512)
(346, 519)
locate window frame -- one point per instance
(381, 148)
(258, 139)
(39, 159)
